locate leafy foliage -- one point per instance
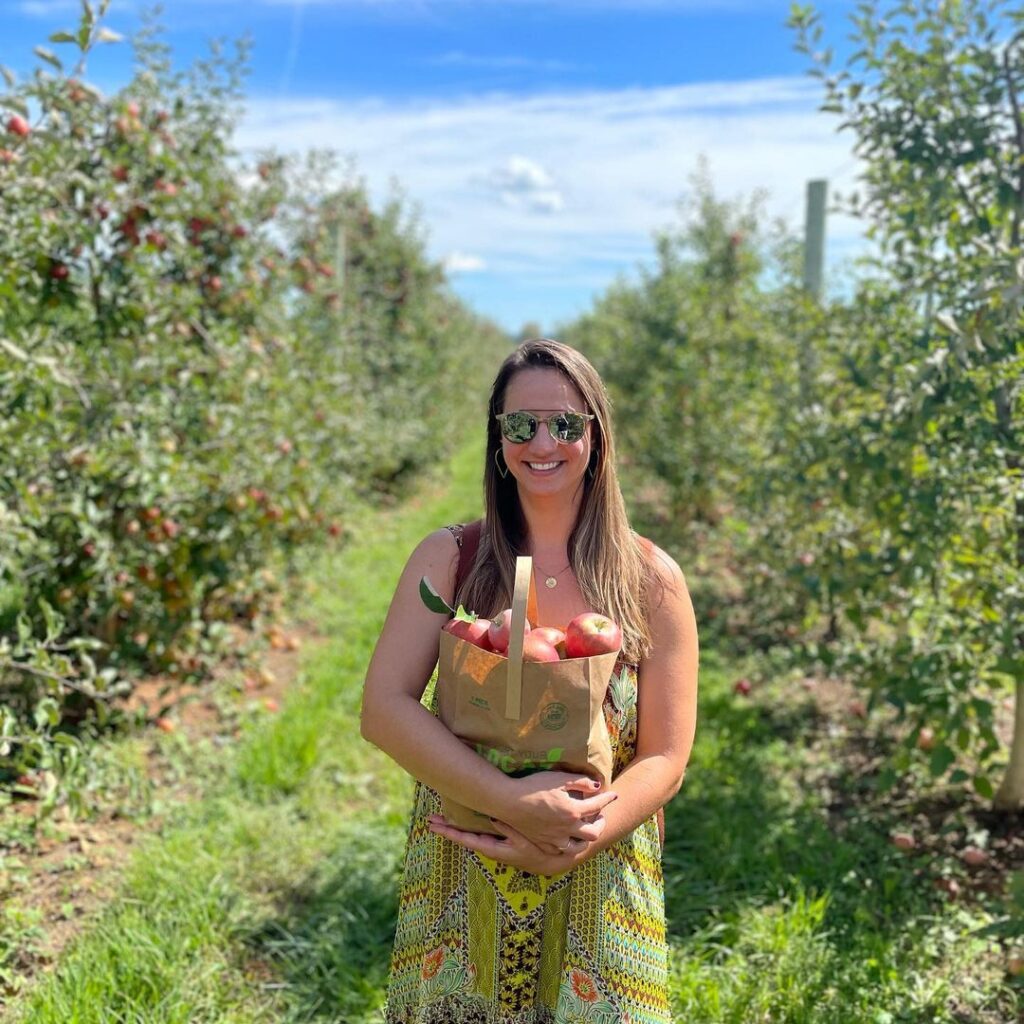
(851, 476)
(203, 361)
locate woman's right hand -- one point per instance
(550, 808)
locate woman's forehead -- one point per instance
(542, 389)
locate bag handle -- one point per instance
(524, 604)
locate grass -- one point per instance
(273, 898)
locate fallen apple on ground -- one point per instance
(903, 841)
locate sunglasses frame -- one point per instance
(546, 420)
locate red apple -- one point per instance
(742, 687)
(903, 841)
(591, 633)
(926, 737)
(536, 648)
(500, 630)
(552, 634)
(18, 125)
(473, 632)
(974, 856)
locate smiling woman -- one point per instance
(561, 915)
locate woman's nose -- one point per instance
(542, 441)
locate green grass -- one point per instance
(273, 898)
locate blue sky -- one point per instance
(541, 142)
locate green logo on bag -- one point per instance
(554, 716)
(521, 762)
(479, 702)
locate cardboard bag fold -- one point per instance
(523, 717)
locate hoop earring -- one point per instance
(502, 472)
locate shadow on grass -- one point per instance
(330, 943)
(745, 831)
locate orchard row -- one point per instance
(205, 359)
(847, 479)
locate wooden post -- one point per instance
(814, 258)
(340, 255)
(814, 238)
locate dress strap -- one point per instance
(467, 537)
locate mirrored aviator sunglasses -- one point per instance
(564, 427)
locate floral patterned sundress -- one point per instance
(480, 942)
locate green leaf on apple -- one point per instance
(463, 616)
(432, 599)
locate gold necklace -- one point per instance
(551, 581)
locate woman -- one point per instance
(561, 916)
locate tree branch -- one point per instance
(31, 670)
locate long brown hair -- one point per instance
(610, 565)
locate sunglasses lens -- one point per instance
(568, 427)
(518, 427)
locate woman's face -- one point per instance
(542, 465)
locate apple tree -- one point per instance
(933, 96)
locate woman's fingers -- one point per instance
(590, 830)
(594, 804)
(582, 784)
(489, 846)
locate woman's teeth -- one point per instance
(541, 466)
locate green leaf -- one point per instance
(8, 75)
(15, 103)
(462, 615)
(63, 37)
(432, 599)
(983, 787)
(49, 56)
(106, 35)
(942, 757)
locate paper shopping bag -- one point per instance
(523, 717)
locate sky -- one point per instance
(541, 144)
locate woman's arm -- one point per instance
(667, 720)
(394, 719)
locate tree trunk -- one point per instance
(1010, 795)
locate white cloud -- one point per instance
(463, 263)
(423, 6)
(610, 164)
(456, 58)
(523, 184)
(48, 8)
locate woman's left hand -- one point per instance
(512, 847)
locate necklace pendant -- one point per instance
(551, 583)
